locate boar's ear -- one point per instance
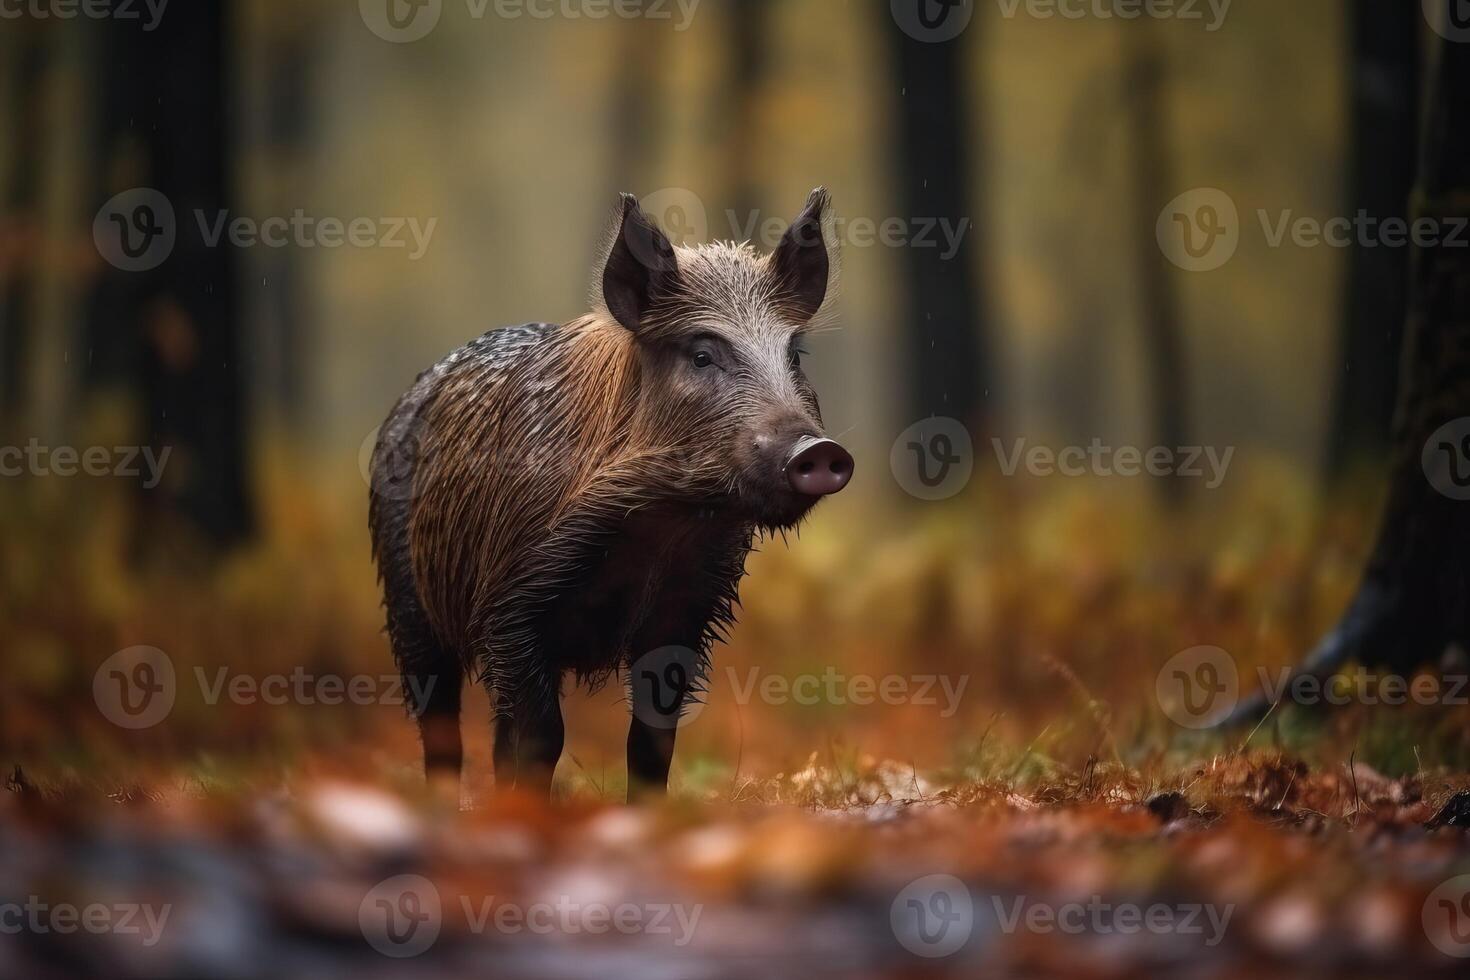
(640, 266)
(800, 263)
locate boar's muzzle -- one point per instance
(818, 467)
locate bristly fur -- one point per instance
(513, 472)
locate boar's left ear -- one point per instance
(800, 263)
(640, 266)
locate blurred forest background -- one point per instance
(1057, 320)
(925, 700)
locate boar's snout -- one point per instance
(818, 467)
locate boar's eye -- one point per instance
(794, 355)
(705, 352)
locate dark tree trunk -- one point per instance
(1153, 176)
(1412, 602)
(749, 45)
(948, 359)
(169, 126)
(21, 223)
(1384, 75)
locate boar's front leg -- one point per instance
(433, 696)
(660, 683)
(529, 734)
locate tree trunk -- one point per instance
(171, 117)
(1153, 171)
(948, 362)
(19, 216)
(1412, 601)
(1385, 121)
(749, 45)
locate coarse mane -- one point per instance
(526, 468)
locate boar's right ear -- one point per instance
(640, 266)
(800, 263)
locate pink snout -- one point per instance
(818, 467)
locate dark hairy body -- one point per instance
(580, 498)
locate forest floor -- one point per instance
(1255, 866)
(950, 751)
